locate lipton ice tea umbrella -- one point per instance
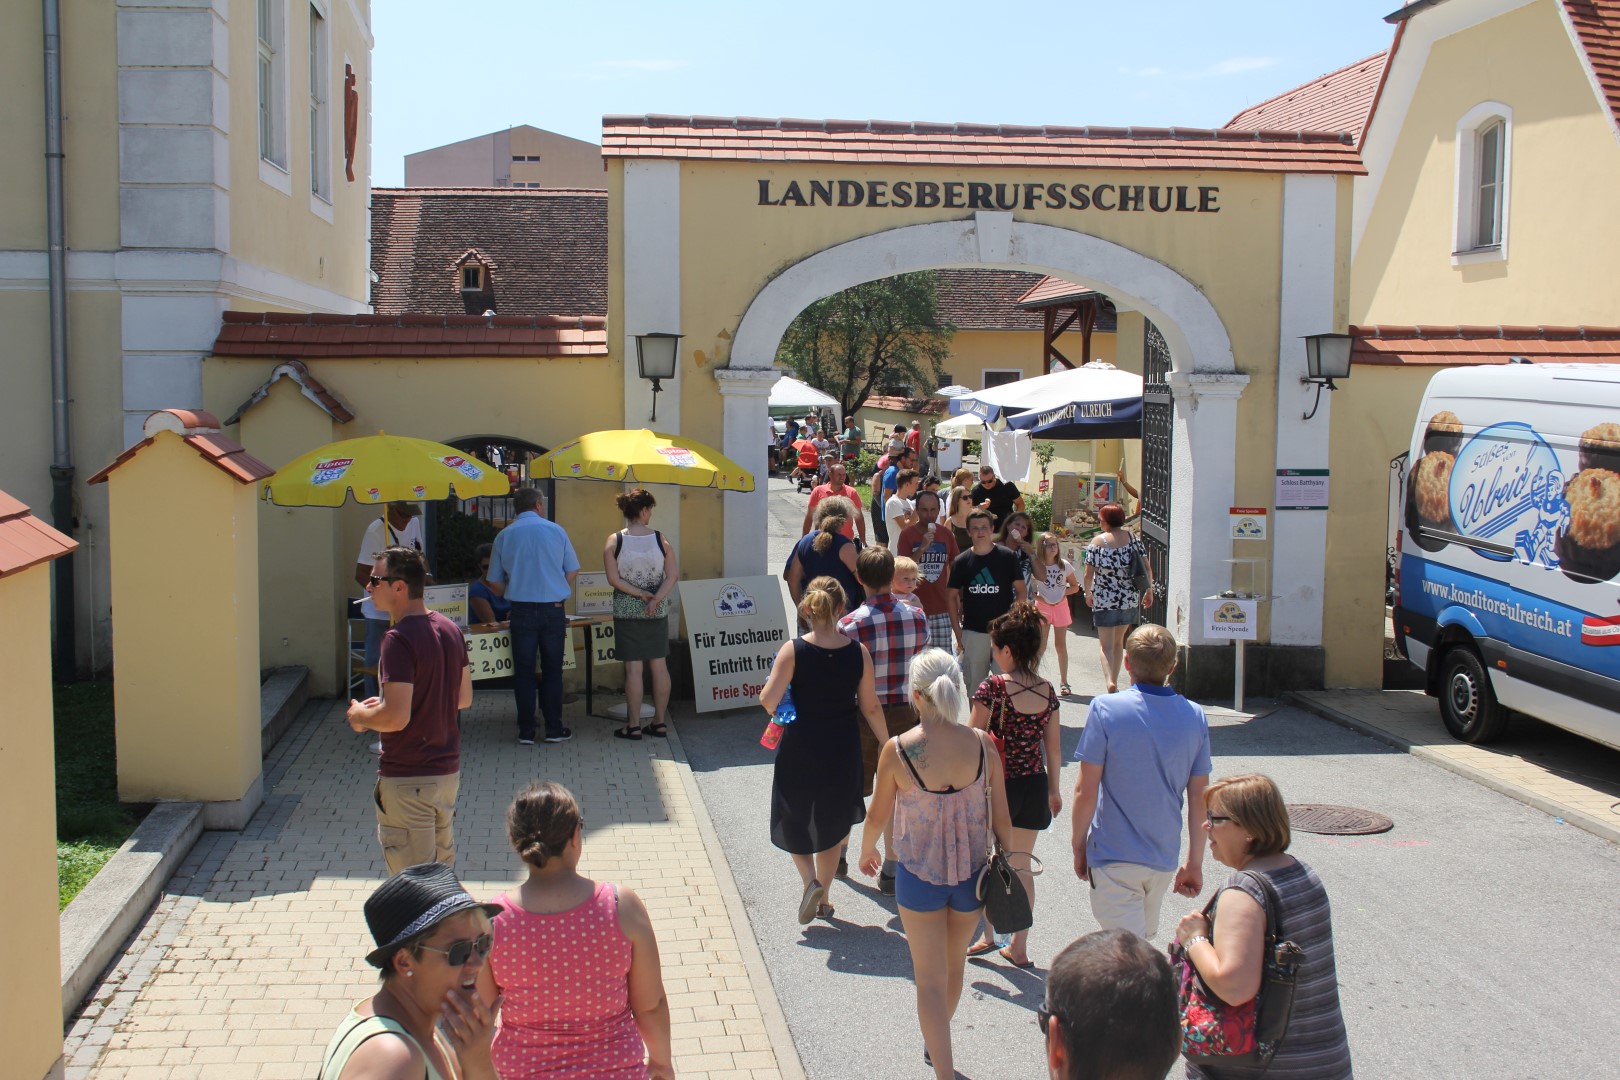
(379, 469)
(643, 456)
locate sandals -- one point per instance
(628, 732)
(659, 730)
(1063, 690)
(1028, 963)
(982, 948)
(811, 902)
(825, 911)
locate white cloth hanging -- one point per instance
(1007, 452)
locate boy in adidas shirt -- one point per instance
(985, 581)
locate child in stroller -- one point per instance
(807, 473)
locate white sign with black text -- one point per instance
(735, 626)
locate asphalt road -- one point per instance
(1474, 940)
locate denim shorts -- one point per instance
(915, 894)
(1112, 617)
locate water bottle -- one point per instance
(785, 714)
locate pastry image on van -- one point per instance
(1428, 499)
(1520, 610)
(1589, 549)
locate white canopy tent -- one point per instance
(790, 393)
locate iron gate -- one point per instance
(1158, 430)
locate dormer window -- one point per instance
(472, 277)
(1484, 174)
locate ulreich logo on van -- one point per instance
(1507, 488)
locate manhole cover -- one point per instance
(1336, 820)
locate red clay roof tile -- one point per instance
(25, 540)
(1464, 345)
(1597, 24)
(406, 335)
(1014, 145)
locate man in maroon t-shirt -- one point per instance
(425, 681)
(932, 547)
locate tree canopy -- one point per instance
(875, 335)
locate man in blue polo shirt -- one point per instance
(1141, 750)
(534, 566)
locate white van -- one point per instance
(1509, 551)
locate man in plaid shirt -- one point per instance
(893, 632)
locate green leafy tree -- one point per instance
(878, 334)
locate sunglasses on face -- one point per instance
(459, 953)
(373, 581)
(1043, 1016)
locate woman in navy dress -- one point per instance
(816, 793)
(825, 550)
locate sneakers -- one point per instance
(843, 867)
(525, 740)
(886, 884)
(563, 735)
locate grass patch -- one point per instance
(90, 821)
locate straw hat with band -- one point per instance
(412, 901)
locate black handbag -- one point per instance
(1139, 575)
(1006, 904)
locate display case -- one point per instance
(1248, 579)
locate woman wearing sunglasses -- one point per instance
(427, 1019)
(575, 960)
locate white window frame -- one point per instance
(320, 104)
(1017, 373)
(1466, 249)
(271, 77)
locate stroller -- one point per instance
(807, 473)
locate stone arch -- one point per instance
(1205, 379)
(1189, 322)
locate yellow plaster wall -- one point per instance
(28, 803)
(185, 568)
(1373, 413)
(89, 133)
(281, 232)
(301, 615)
(545, 401)
(1563, 220)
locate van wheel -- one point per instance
(1467, 703)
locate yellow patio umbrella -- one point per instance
(643, 456)
(380, 469)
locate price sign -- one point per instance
(593, 595)
(449, 601)
(601, 644)
(490, 654)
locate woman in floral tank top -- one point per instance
(1020, 710)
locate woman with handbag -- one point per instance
(1236, 991)
(641, 567)
(1113, 559)
(1019, 709)
(939, 793)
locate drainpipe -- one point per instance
(63, 654)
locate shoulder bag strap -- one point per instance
(1273, 907)
(989, 807)
(618, 543)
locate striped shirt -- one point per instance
(1315, 1046)
(893, 632)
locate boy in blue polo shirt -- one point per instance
(1141, 749)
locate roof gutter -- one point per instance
(1411, 9)
(62, 517)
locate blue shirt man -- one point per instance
(906, 460)
(1140, 750)
(533, 565)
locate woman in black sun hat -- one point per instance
(427, 1019)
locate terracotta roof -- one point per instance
(1597, 24)
(971, 299)
(546, 250)
(308, 385)
(1338, 101)
(1050, 291)
(200, 431)
(754, 139)
(298, 336)
(1462, 345)
(928, 406)
(25, 540)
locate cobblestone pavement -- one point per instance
(255, 950)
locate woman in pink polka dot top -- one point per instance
(576, 960)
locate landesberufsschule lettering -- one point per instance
(979, 195)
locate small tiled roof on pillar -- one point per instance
(200, 430)
(298, 373)
(25, 540)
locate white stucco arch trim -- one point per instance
(1191, 327)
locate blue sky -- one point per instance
(445, 72)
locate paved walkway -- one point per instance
(255, 951)
(1571, 778)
